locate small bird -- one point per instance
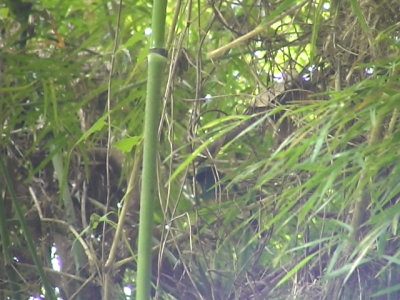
(208, 179)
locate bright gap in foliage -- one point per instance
(55, 259)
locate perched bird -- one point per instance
(208, 178)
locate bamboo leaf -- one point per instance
(126, 145)
(296, 268)
(96, 127)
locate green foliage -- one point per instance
(299, 121)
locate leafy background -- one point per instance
(278, 158)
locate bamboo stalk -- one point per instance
(156, 62)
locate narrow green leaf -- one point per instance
(320, 140)
(296, 268)
(222, 120)
(386, 291)
(315, 29)
(28, 236)
(361, 19)
(126, 145)
(199, 150)
(309, 244)
(136, 37)
(97, 126)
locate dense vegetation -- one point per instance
(278, 159)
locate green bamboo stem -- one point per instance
(156, 63)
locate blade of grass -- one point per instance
(31, 246)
